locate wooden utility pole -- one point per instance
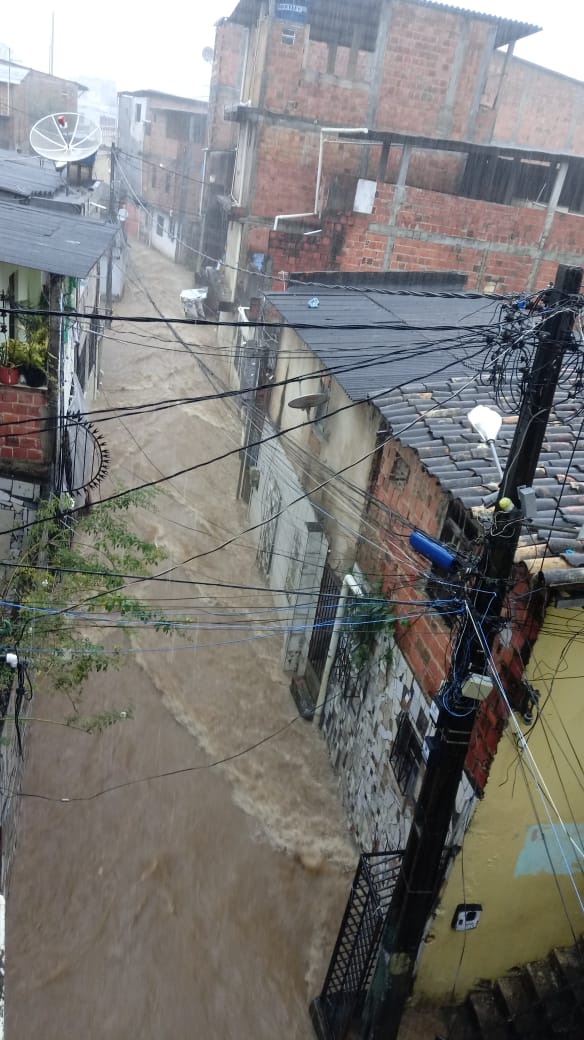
(422, 867)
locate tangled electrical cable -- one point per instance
(512, 347)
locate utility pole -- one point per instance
(112, 217)
(422, 866)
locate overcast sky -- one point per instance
(138, 49)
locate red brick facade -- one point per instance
(23, 445)
(403, 485)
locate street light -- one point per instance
(487, 423)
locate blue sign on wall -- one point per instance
(289, 11)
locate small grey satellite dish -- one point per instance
(65, 137)
(208, 54)
(308, 401)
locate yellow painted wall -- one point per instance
(504, 863)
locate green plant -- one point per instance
(33, 349)
(66, 587)
(369, 620)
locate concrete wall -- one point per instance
(506, 866)
(164, 243)
(360, 732)
(292, 548)
(344, 438)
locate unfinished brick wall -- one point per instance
(225, 83)
(23, 444)
(498, 247)
(536, 108)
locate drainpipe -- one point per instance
(316, 211)
(351, 587)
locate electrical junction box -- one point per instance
(466, 917)
(477, 687)
(527, 501)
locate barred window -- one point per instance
(406, 754)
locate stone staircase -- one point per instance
(543, 1000)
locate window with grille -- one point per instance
(406, 754)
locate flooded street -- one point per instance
(204, 903)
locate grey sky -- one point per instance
(124, 42)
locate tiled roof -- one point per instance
(428, 409)
(452, 452)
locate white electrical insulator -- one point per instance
(12, 660)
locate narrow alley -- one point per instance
(206, 903)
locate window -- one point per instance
(177, 125)
(138, 113)
(153, 177)
(171, 227)
(160, 226)
(288, 37)
(167, 182)
(406, 754)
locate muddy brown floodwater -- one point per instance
(203, 904)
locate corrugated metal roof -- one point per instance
(24, 176)
(380, 348)
(49, 241)
(435, 404)
(508, 30)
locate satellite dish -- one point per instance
(65, 137)
(308, 401)
(208, 54)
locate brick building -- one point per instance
(161, 141)
(26, 95)
(461, 156)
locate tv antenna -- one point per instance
(65, 137)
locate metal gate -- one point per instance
(324, 619)
(355, 954)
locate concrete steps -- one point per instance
(543, 1000)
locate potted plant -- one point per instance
(8, 371)
(30, 354)
(30, 357)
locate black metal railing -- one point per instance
(355, 954)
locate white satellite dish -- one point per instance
(65, 137)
